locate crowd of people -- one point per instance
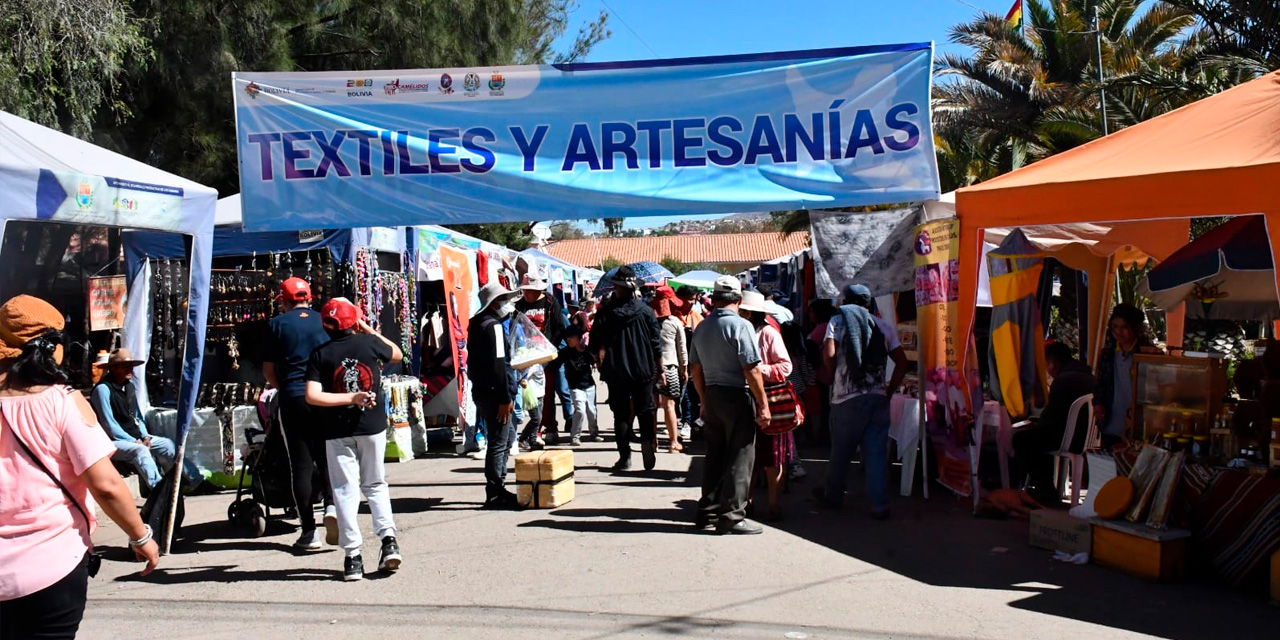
(728, 363)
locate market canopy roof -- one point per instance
(1218, 156)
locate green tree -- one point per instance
(566, 230)
(183, 103)
(61, 60)
(613, 226)
(512, 235)
(672, 264)
(609, 262)
(1024, 95)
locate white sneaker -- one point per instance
(798, 472)
(331, 526)
(478, 454)
(309, 541)
(686, 432)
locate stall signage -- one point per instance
(106, 302)
(84, 199)
(792, 130)
(310, 236)
(949, 420)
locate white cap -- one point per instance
(727, 284)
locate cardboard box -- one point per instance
(1059, 531)
(544, 479)
(1139, 550)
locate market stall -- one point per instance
(51, 177)
(1144, 182)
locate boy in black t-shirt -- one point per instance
(577, 365)
(345, 378)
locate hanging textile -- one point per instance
(871, 249)
(1016, 358)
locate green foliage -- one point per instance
(609, 262)
(613, 226)
(565, 230)
(670, 263)
(61, 60)
(512, 235)
(84, 61)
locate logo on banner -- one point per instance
(125, 204)
(471, 84)
(496, 83)
(355, 84)
(252, 90)
(84, 195)
(396, 87)
(924, 244)
(446, 83)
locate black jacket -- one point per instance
(489, 370)
(1073, 381)
(628, 334)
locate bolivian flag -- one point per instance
(1014, 17)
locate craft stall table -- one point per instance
(213, 445)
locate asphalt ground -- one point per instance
(622, 560)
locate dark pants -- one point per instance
(307, 458)
(631, 401)
(52, 612)
(730, 430)
(533, 427)
(501, 435)
(557, 386)
(1032, 447)
(691, 405)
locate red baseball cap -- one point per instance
(339, 314)
(295, 290)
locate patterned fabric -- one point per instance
(784, 407)
(1234, 517)
(669, 386)
(871, 248)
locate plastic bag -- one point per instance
(531, 347)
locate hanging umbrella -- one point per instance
(1225, 274)
(646, 272)
(701, 279)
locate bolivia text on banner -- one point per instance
(949, 419)
(810, 129)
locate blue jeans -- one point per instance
(147, 461)
(860, 422)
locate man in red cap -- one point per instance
(294, 335)
(345, 377)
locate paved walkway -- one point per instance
(622, 561)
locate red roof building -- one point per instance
(735, 251)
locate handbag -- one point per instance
(785, 409)
(93, 559)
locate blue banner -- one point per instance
(809, 129)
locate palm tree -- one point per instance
(1025, 95)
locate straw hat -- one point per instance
(23, 319)
(753, 301)
(118, 357)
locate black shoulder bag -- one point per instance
(94, 559)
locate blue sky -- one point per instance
(677, 28)
(647, 29)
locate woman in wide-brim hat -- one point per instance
(55, 454)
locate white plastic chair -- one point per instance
(1076, 460)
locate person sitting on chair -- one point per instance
(115, 401)
(1034, 445)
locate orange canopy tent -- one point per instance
(1219, 156)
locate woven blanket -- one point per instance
(1234, 517)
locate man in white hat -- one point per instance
(545, 312)
(494, 387)
(115, 401)
(724, 363)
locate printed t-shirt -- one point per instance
(351, 364)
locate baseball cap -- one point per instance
(339, 314)
(295, 289)
(727, 284)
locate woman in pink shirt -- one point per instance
(773, 452)
(53, 458)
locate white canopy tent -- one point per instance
(49, 176)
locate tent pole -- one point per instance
(1102, 92)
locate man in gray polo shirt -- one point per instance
(724, 363)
